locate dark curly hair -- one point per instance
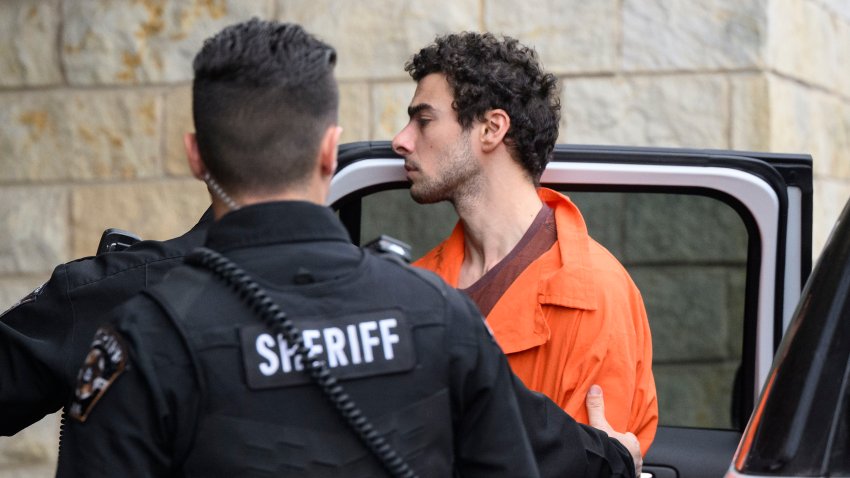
(263, 95)
(485, 73)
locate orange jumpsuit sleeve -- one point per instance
(611, 347)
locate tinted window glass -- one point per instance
(393, 213)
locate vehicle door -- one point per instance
(718, 242)
(801, 426)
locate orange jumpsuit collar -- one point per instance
(560, 277)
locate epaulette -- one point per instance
(399, 252)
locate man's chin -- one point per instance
(423, 197)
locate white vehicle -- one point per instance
(719, 243)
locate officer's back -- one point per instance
(189, 381)
(413, 354)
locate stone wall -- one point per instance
(94, 97)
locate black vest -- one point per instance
(259, 415)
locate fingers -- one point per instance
(595, 404)
(631, 442)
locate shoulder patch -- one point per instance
(105, 361)
(27, 298)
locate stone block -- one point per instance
(665, 228)
(786, 21)
(841, 8)
(118, 42)
(807, 120)
(805, 42)
(842, 47)
(829, 198)
(354, 106)
(792, 109)
(750, 121)
(34, 225)
(31, 449)
(688, 35)
(603, 215)
(679, 110)
(695, 395)
(833, 141)
(374, 38)
(153, 210)
(687, 307)
(840, 132)
(389, 108)
(29, 55)
(38, 470)
(178, 121)
(56, 135)
(572, 36)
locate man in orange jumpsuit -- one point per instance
(483, 124)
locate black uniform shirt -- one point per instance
(174, 394)
(44, 338)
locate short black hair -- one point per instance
(263, 95)
(486, 73)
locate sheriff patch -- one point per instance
(356, 346)
(105, 361)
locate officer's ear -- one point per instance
(328, 150)
(196, 164)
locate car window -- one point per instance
(688, 255)
(392, 212)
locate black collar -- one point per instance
(274, 223)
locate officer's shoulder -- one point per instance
(181, 287)
(456, 303)
(105, 277)
(114, 265)
(151, 257)
(399, 263)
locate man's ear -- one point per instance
(196, 164)
(328, 151)
(493, 129)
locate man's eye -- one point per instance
(422, 122)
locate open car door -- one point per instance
(718, 242)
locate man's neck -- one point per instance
(493, 223)
(315, 194)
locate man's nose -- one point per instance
(402, 144)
